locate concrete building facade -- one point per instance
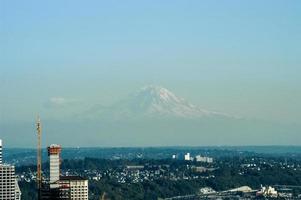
(63, 187)
(9, 188)
(54, 152)
(76, 185)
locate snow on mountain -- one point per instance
(154, 101)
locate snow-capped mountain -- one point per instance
(154, 101)
(154, 116)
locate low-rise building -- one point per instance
(206, 159)
(75, 187)
(267, 192)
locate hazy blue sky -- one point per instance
(238, 57)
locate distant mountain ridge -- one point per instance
(155, 102)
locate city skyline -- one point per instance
(152, 100)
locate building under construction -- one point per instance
(58, 187)
(63, 187)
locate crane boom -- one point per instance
(39, 156)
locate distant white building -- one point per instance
(200, 158)
(134, 167)
(207, 190)
(244, 189)
(209, 160)
(267, 192)
(187, 156)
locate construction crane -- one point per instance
(39, 157)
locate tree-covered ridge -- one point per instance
(167, 177)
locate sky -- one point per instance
(238, 57)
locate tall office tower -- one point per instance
(0, 151)
(54, 152)
(9, 189)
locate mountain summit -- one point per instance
(154, 116)
(156, 102)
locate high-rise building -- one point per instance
(9, 189)
(54, 152)
(51, 190)
(7, 182)
(63, 187)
